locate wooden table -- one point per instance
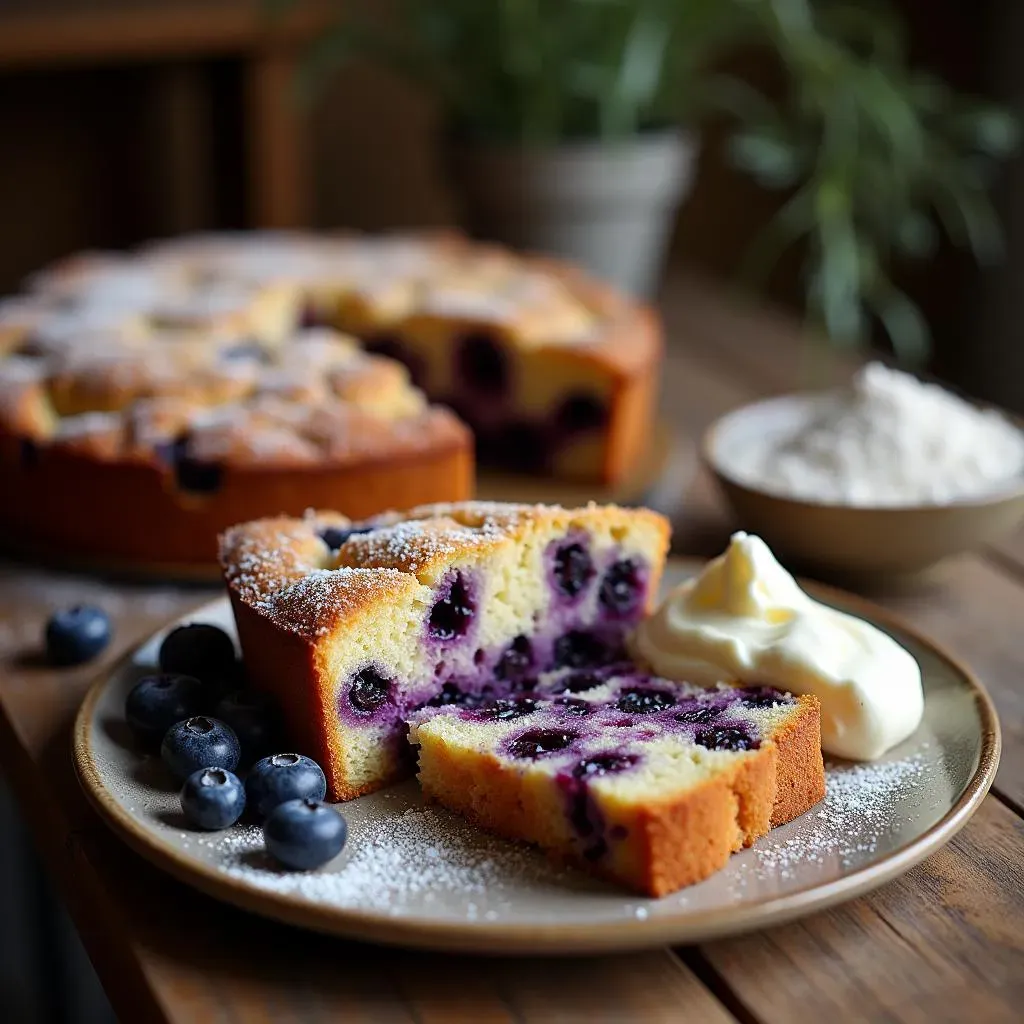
(943, 943)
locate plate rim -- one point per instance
(486, 937)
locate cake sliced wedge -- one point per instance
(646, 782)
(354, 626)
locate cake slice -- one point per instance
(354, 626)
(646, 782)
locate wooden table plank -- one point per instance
(167, 953)
(1009, 552)
(942, 943)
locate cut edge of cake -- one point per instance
(352, 626)
(705, 805)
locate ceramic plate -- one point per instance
(418, 876)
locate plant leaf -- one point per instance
(772, 160)
(794, 219)
(915, 235)
(903, 322)
(966, 212)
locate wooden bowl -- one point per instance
(846, 539)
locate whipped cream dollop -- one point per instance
(745, 620)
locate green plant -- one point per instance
(539, 71)
(872, 151)
(875, 154)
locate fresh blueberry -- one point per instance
(368, 692)
(516, 661)
(726, 738)
(155, 703)
(75, 635)
(198, 476)
(581, 411)
(509, 710)
(201, 650)
(762, 697)
(622, 587)
(451, 694)
(213, 798)
(699, 713)
(193, 475)
(575, 706)
(335, 536)
(199, 742)
(580, 682)
(393, 348)
(253, 717)
(303, 834)
(540, 741)
(641, 701)
(577, 649)
(451, 615)
(603, 764)
(282, 777)
(482, 365)
(573, 568)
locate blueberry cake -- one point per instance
(354, 627)
(203, 381)
(647, 782)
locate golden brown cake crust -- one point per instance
(131, 510)
(275, 566)
(800, 779)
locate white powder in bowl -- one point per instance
(887, 440)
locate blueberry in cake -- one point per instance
(647, 782)
(200, 382)
(353, 627)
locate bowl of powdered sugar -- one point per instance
(888, 475)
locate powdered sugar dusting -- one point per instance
(316, 603)
(858, 810)
(418, 544)
(393, 864)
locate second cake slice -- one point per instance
(644, 781)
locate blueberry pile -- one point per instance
(207, 729)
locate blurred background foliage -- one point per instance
(876, 157)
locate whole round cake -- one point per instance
(149, 400)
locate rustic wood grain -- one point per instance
(1009, 552)
(942, 943)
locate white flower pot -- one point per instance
(607, 206)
